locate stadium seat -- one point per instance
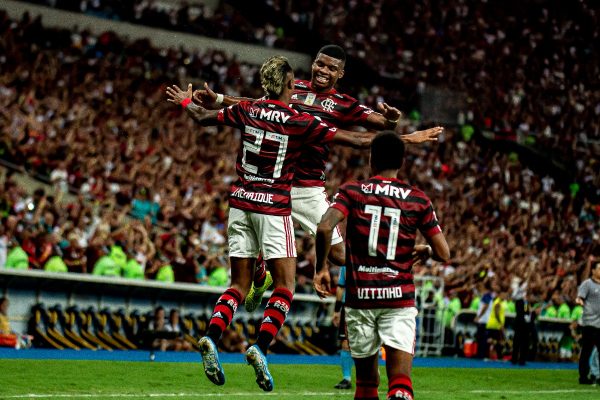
(38, 328)
(56, 327)
(71, 327)
(114, 328)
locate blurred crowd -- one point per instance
(89, 114)
(529, 72)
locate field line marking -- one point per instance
(542, 391)
(248, 394)
(161, 395)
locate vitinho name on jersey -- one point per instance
(379, 293)
(266, 198)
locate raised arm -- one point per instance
(215, 101)
(198, 113)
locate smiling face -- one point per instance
(326, 71)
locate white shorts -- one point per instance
(368, 329)
(250, 233)
(308, 206)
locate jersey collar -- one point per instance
(279, 103)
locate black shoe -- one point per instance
(344, 384)
(586, 381)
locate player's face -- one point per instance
(326, 71)
(596, 272)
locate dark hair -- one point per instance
(273, 75)
(387, 151)
(334, 51)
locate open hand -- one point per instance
(176, 95)
(428, 135)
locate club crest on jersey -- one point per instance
(253, 112)
(368, 189)
(328, 105)
(310, 99)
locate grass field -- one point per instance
(50, 379)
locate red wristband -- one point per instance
(185, 102)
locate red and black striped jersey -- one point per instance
(383, 217)
(272, 136)
(333, 108)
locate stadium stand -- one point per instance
(97, 122)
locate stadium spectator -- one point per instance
(9, 338)
(380, 303)
(179, 343)
(588, 296)
(482, 318)
(495, 326)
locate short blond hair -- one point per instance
(273, 74)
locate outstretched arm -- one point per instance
(362, 140)
(428, 135)
(215, 101)
(198, 113)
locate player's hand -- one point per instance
(421, 253)
(206, 97)
(390, 113)
(580, 301)
(336, 319)
(176, 95)
(428, 135)
(322, 283)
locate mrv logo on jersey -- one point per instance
(269, 115)
(379, 293)
(387, 190)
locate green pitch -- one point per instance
(23, 379)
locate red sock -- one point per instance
(260, 274)
(366, 390)
(400, 385)
(223, 313)
(275, 314)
